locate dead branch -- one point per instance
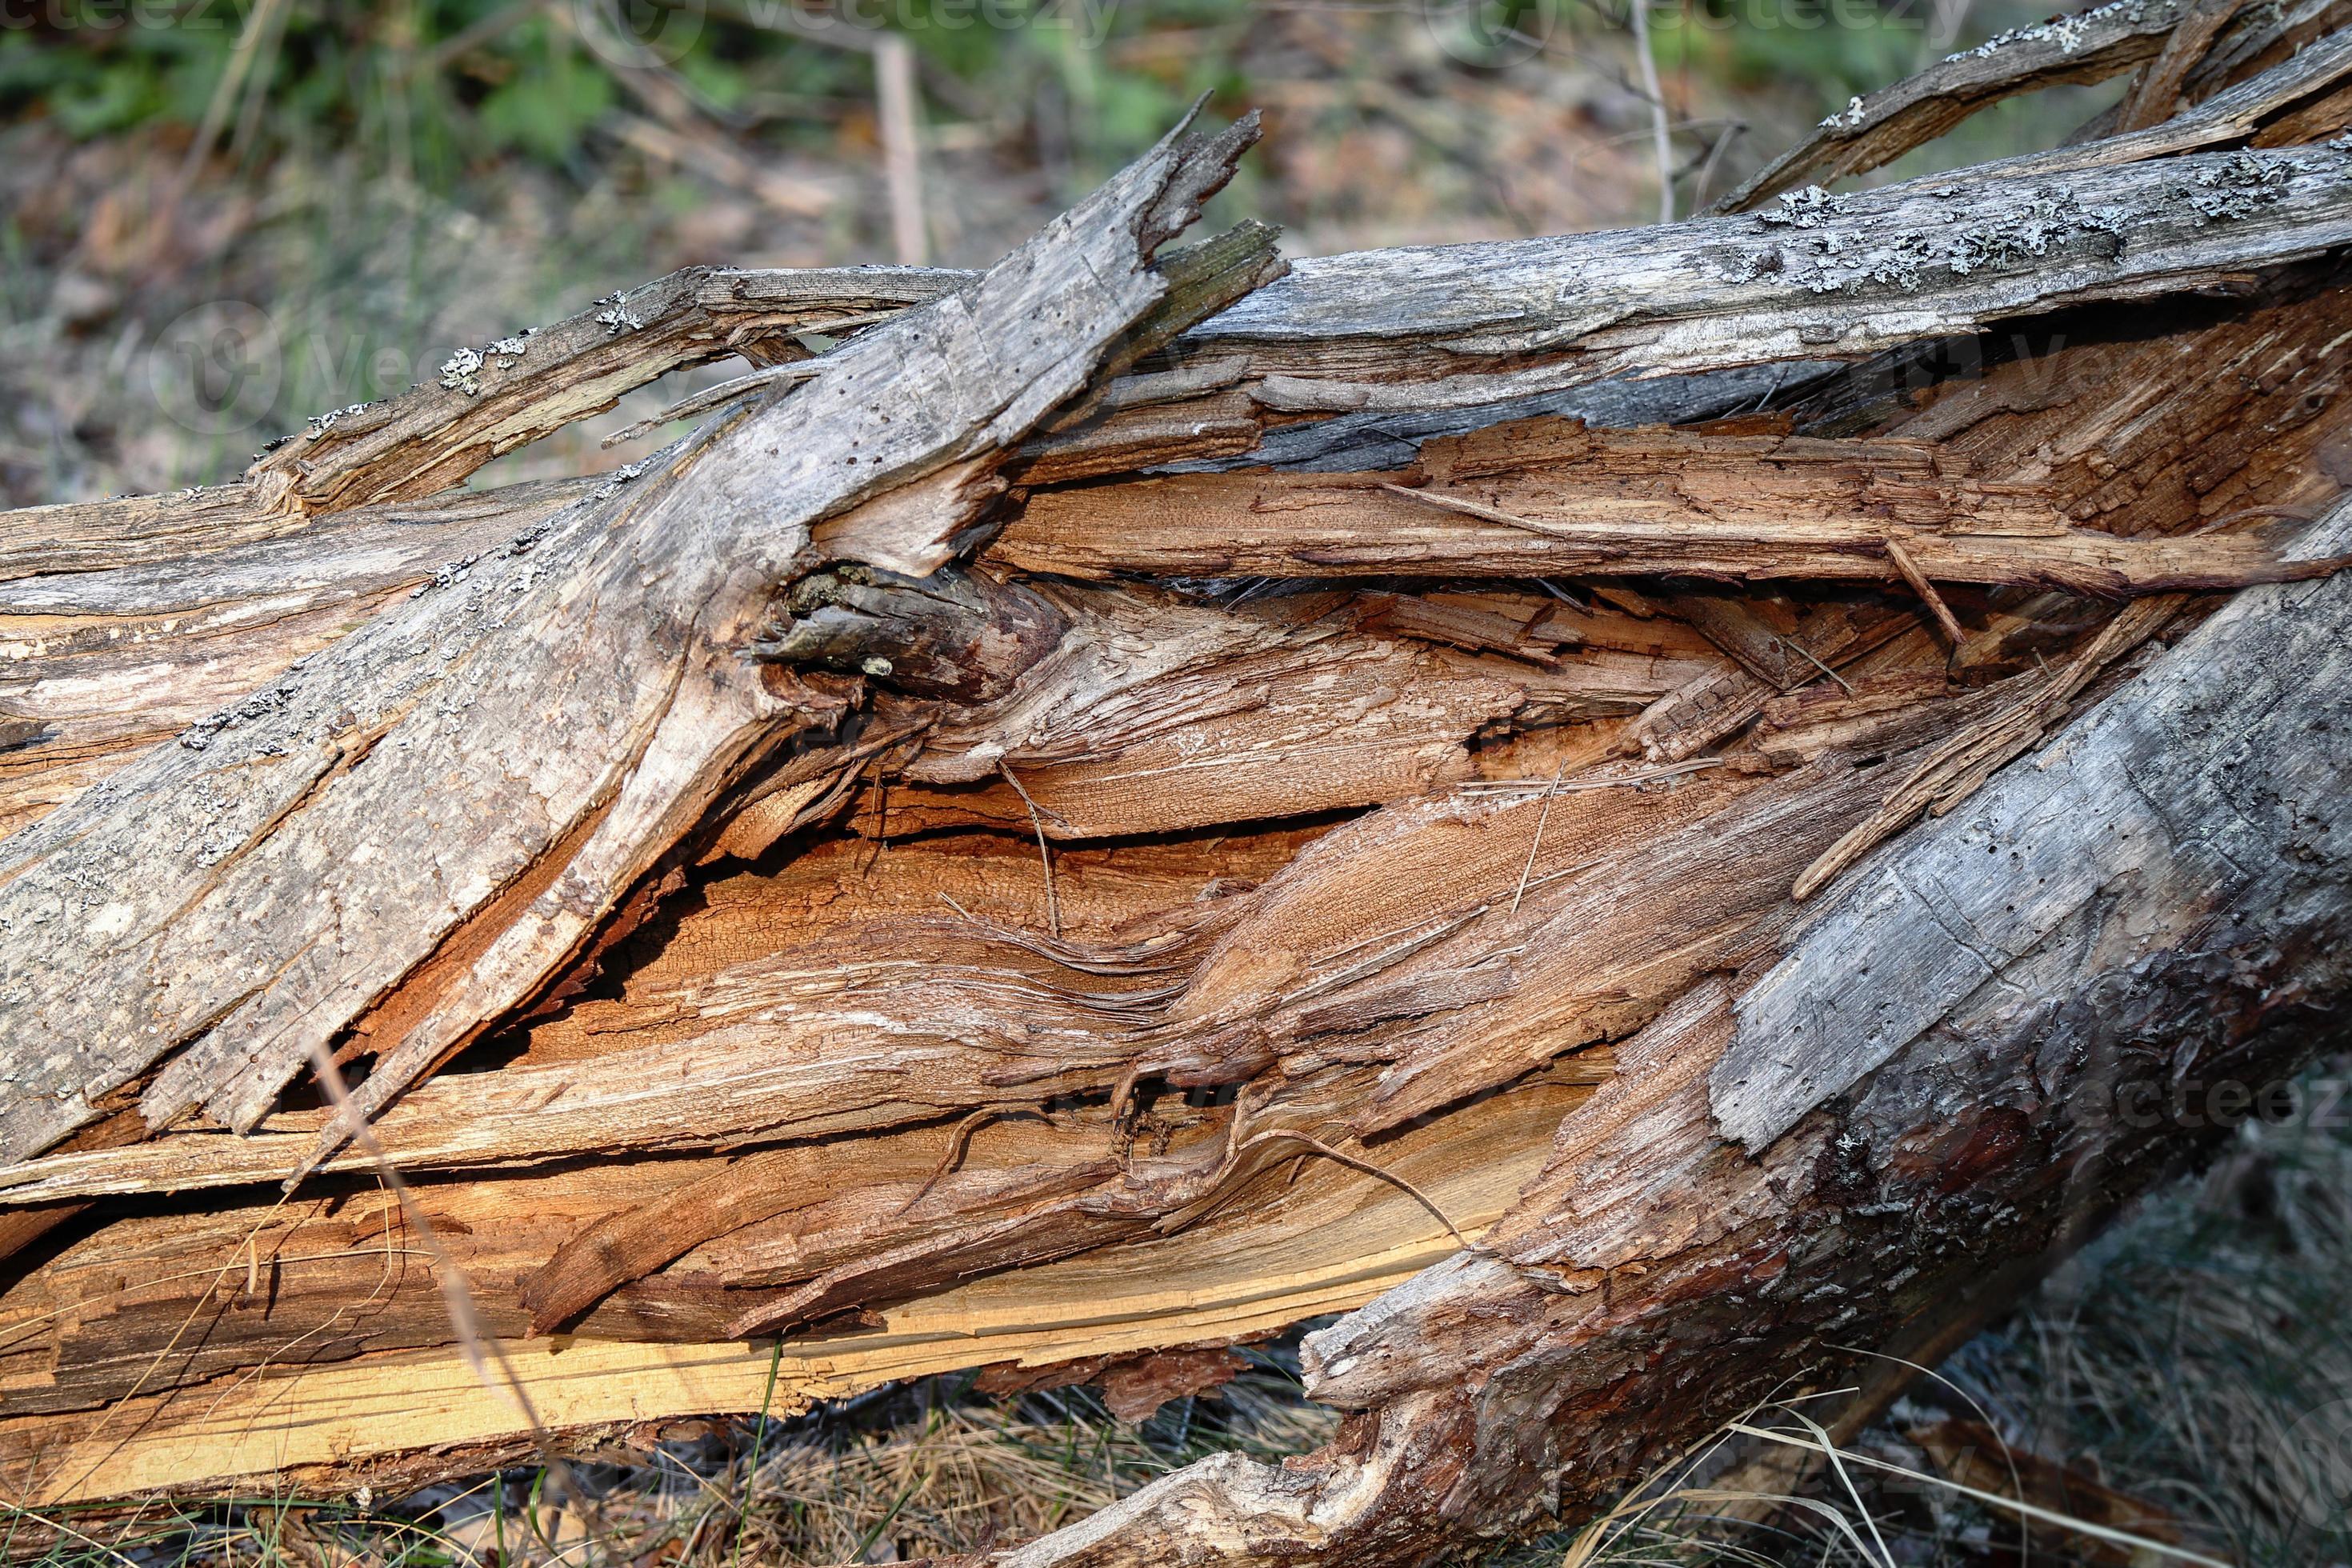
(1432, 678)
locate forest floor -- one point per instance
(2186, 1377)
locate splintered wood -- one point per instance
(1137, 800)
(1548, 498)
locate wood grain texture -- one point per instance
(1549, 498)
(107, 662)
(564, 709)
(1821, 276)
(1326, 1241)
(1649, 1257)
(2210, 790)
(1106, 875)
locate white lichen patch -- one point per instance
(2068, 34)
(445, 574)
(1838, 249)
(459, 373)
(1807, 208)
(616, 317)
(268, 700)
(2237, 187)
(2031, 230)
(619, 476)
(321, 423)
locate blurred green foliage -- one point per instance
(436, 88)
(547, 103)
(463, 82)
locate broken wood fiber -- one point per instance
(1131, 802)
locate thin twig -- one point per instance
(1053, 900)
(1647, 775)
(902, 168)
(1541, 817)
(711, 397)
(1284, 1134)
(881, 816)
(256, 87)
(1815, 660)
(1478, 509)
(959, 1139)
(1724, 139)
(1945, 619)
(1659, 133)
(258, 24)
(1122, 1094)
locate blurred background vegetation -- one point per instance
(386, 181)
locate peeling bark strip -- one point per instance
(480, 774)
(1549, 498)
(1820, 275)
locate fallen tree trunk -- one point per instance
(1127, 805)
(1942, 1075)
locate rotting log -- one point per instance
(1942, 1073)
(1119, 803)
(569, 703)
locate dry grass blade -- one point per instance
(2072, 1524)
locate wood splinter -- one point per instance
(1254, 608)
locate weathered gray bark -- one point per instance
(2089, 46)
(561, 710)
